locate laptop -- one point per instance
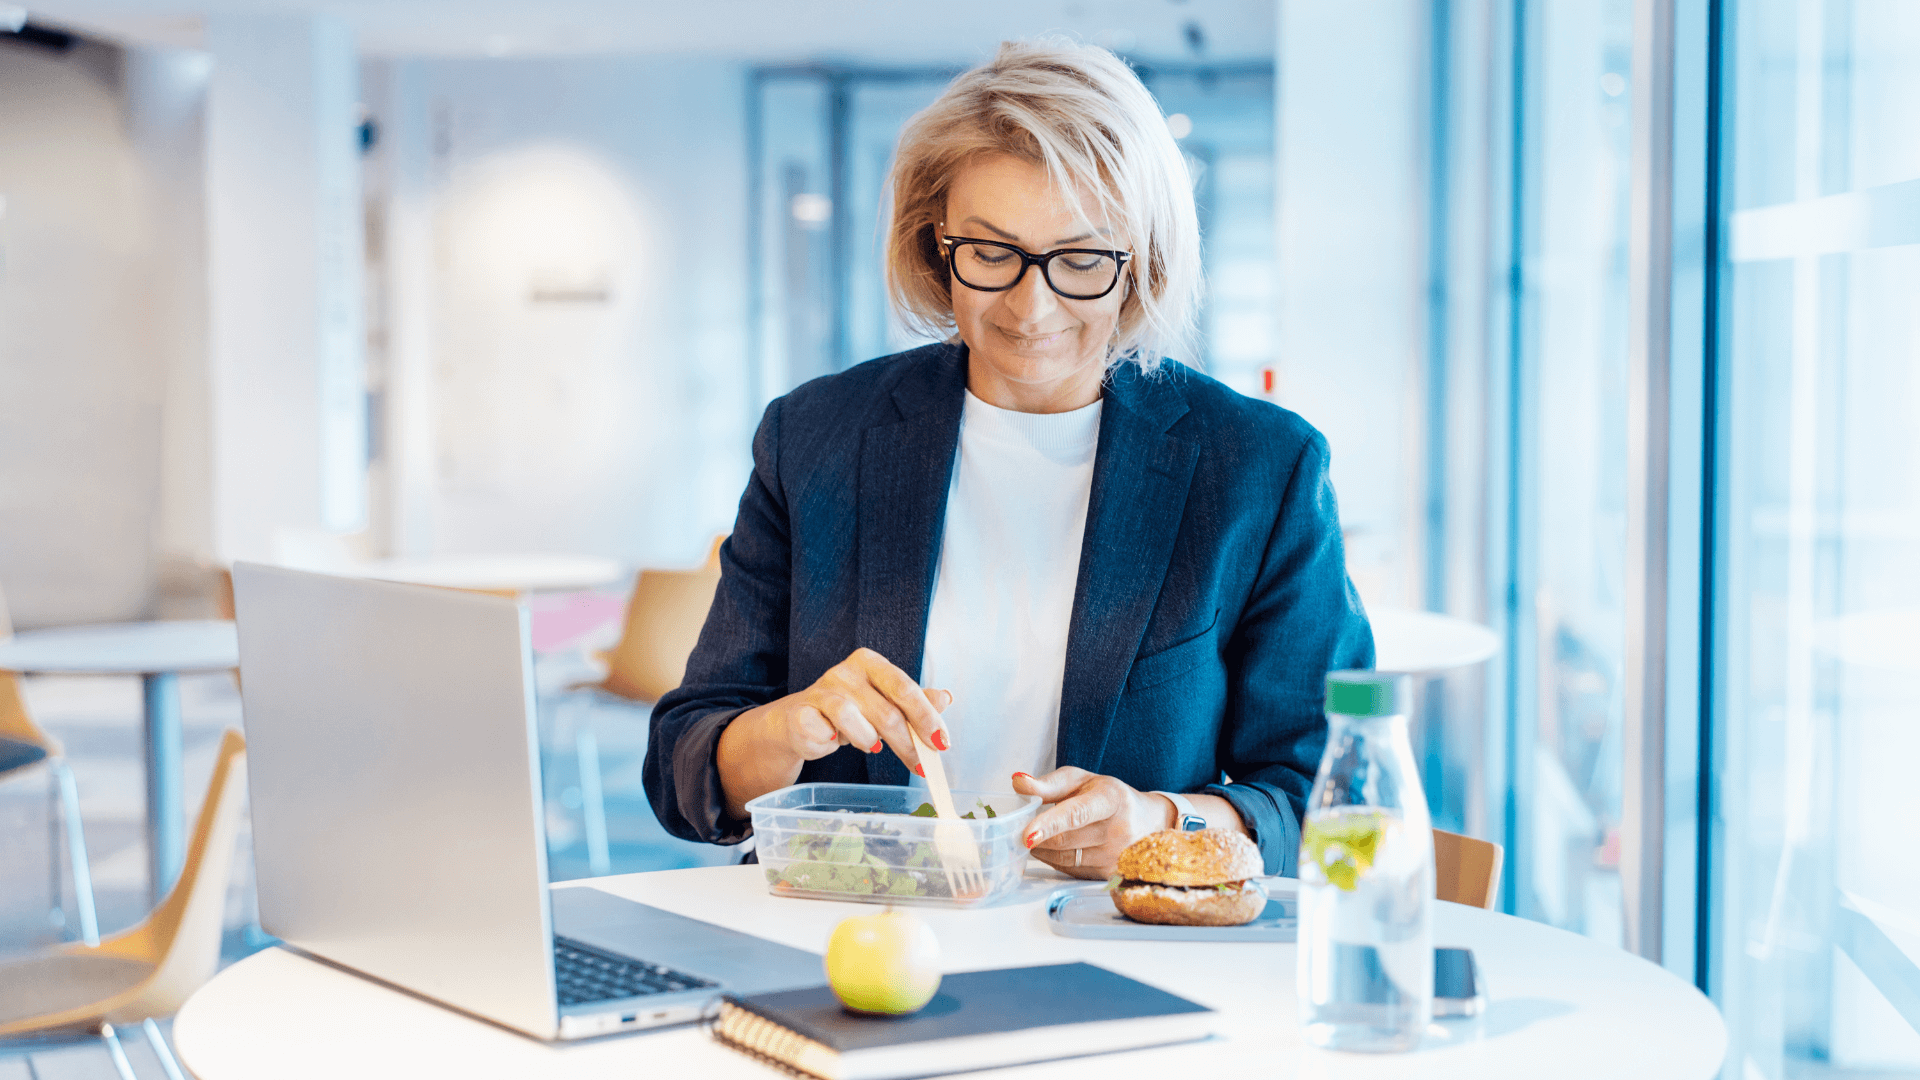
(398, 828)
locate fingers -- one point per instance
(811, 733)
(891, 724)
(1096, 802)
(868, 703)
(1054, 786)
(1091, 836)
(906, 695)
(850, 720)
(1091, 862)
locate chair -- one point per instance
(1466, 870)
(24, 745)
(664, 617)
(150, 970)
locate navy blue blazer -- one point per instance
(1212, 597)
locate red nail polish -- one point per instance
(940, 740)
(1027, 775)
(1030, 837)
(877, 744)
(920, 771)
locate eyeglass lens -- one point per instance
(1073, 274)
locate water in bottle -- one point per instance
(1366, 876)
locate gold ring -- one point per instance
(1076, 856)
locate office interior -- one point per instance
(1605, 307)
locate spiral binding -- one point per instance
(770, 1041)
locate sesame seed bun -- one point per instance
(1206, 857)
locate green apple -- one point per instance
(887, 963)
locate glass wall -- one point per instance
(1570, 457)
(1816, 890)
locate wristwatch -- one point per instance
(1185, 817)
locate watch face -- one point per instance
(1192, 823)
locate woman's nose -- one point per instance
(1030, 300)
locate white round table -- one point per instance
(1427, 642)
(519, 573)
(1559, 1005)
(157, 652)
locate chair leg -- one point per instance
(158, 1040)
(119, 1055)
(56, 888)
(593, 805)
(77, 854)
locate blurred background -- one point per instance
(1606, 308)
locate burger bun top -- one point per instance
(1206, 857)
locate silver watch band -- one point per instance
(1185, 817)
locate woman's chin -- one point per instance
(1037, 368)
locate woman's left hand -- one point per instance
(1091, 819)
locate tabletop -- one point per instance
(1427, 642)
(136, 648)
(524, 573)
(1559, 1004)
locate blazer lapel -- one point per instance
(906, 469)
(1140, 481)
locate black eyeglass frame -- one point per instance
(952, 244)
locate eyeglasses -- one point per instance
(1075, 273)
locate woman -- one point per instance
(1082, 572)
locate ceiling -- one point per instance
(868, 31)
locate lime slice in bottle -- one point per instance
(1343, 845)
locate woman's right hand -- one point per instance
(862, 701)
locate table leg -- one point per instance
(166, 825)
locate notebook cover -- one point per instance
(975, 1003)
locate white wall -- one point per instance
(585, 311)
(81, 381)
(283, 262)
(166, 91)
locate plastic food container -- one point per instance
(860, 842)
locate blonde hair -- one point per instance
(1082, 114)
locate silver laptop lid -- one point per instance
(394, 779)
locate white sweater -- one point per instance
(1003, 594)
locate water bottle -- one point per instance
(1366, 876)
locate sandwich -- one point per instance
(1190, 879)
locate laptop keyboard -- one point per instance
(586, 974)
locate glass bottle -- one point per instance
(1366, 876)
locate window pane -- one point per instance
(1817, 880)
(1573, 464)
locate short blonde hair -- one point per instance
(1082, 114)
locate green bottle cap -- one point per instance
(1367, 693)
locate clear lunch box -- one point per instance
(860, 842)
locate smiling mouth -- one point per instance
(1033, 341)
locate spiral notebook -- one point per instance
(978, 1020)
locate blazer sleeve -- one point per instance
(740, 661)
(1302, 620)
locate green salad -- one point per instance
(831, 856)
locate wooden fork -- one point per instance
(958, 849)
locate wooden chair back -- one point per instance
(664, 617)
(15, 722)
(181, 938)
(223, 593)
(1466, 870)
